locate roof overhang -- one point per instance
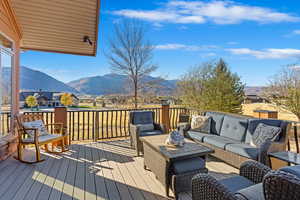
(58, 25)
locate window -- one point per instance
(6, 65)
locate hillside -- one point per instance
(117, 84)
(35, 80)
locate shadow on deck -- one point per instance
(91, 171)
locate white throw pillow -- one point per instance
(201, 123)
(146, 127)
(38, 124)
(264, 133)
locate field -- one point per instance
(282, 113)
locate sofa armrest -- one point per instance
(269, 147)
(281, 185)
(204, 186)
(254, 171)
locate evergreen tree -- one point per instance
(221, 90)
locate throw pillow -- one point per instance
(146, 127)
(264, 133)
(38, 124)
(201, 123)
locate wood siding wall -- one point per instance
(10, 29)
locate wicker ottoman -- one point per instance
(182, 173)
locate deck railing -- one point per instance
(4, 123)
(107, 124)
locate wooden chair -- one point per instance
(56, 135)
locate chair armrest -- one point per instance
(36, 133)
(281, 185)
(254, 171)
(204, 186)
(134, 130)
(160, 127)
(58, 127)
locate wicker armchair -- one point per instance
(256, 181)
(137, 119)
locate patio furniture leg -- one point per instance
(38, 153)
(63, 145)
(46, 148)
(167, 191)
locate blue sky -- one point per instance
(256, 38)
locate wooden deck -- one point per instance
(93, 171)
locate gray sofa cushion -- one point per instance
(236, 183)
(234, 127)
(198, 136)
(148, 133)
(295, 170)
(219, 141)
(253, 123)
(188, 165)
(254, 192)
(216, 122)
(142, 117)
(243, 150)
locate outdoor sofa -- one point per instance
(255, 182)
(230, 136)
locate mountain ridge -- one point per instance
(118, 84)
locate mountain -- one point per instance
(254, 90)
(118, 84)
(33, 80)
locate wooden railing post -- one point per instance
(166, 115)
(61, 116)
(96, 134)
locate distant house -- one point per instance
(254, 98)
(45, 99)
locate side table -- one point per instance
(283, 158)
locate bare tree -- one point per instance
(131, 54)
(284, 89)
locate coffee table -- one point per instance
(159, 157)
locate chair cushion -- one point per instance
(198, 136)
(38, 124)
(264, 133)
(234, 127)
(295, 170)
(188, 165)
(236, 183)
(201, 123)
(254, 192)
(148, 133)
(219, 141)
(142, 117)
(245, 150)
(253, 123)
(216, 122)
(42, 138)
(145, 127)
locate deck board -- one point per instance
(90, 171)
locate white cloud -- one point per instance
(232, 43)
(199, 12)
(296, 32)
(268, 53)
(184, 47)
(295, 67)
